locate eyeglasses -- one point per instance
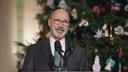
(58, 21)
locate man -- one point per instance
(42, 56)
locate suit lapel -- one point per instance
(69, 48)
(48, 53)
(68, 52)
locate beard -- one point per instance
(59, 32)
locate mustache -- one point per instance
(60, 29)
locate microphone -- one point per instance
(58, 59)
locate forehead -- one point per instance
(60, 13)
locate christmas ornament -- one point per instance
(110, 63)
(115, 7)
(96, 66)
(126, 33)
(86, 23)
(126, 8)
(105, 30)
(99, 34)
(50, 3)
(99, 9)
(119, 30)
(74, 14)
(62, 4)
(96, 9)
(83, 23)
(96, 50)
(104, 27)
(108, 67)
(106, 34)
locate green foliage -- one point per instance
(20, 55)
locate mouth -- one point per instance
(59, 30)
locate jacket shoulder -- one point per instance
(38, 45)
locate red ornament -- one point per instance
(99, 9)
(96, 9)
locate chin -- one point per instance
(59, 36)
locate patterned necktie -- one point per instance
(57, 58)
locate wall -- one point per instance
(30, 28)
(9, 31)
(7, 20)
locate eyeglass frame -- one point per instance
(64, 22)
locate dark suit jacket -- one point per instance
(39, 58)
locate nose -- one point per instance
(61, 24)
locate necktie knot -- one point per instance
(57, 46)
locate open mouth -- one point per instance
(59, 30)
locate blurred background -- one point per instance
(99, 26)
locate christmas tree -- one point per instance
(95, 24)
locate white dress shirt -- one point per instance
(52, 41)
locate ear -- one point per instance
(49, 22)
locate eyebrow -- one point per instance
(62, 19)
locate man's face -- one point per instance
(59, 23)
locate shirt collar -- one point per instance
(52, 40)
